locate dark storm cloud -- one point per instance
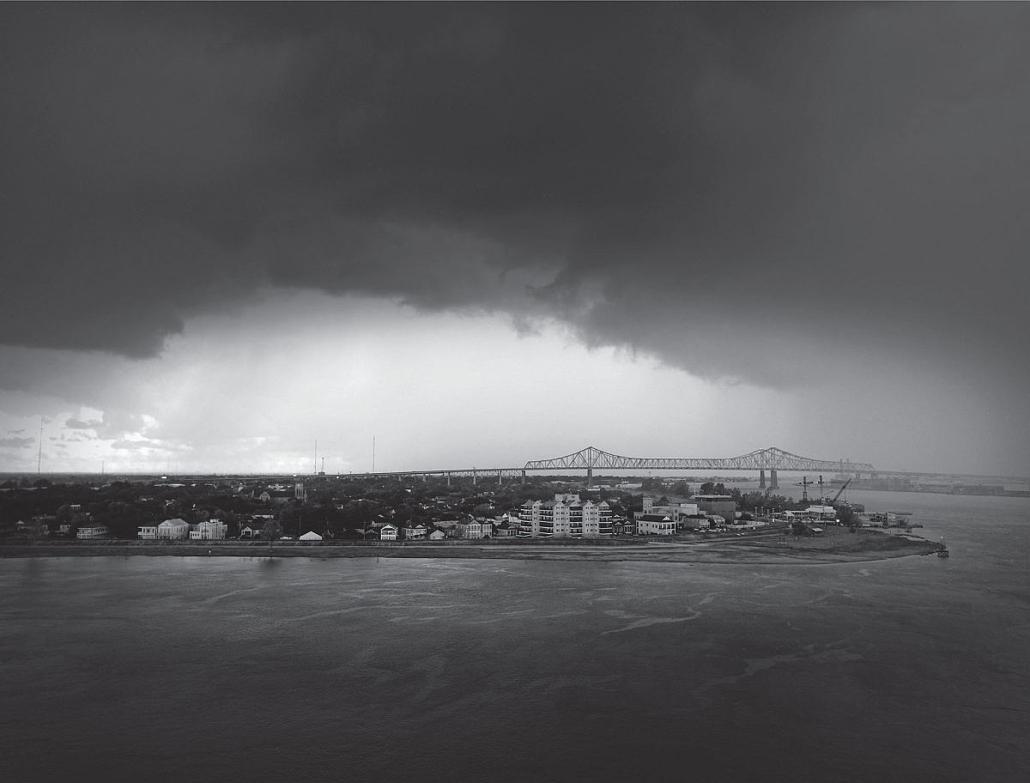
(78, 424)
(729, 187)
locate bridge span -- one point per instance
(590, 458)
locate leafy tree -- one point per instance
(272, 530)
(711, 488)
(682, 488)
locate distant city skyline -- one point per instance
(485, 233)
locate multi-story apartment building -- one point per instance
(565, 517)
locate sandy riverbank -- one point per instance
(836, 545)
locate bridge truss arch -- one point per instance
(771, 458)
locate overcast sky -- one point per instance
(485, 234)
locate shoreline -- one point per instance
(837, 547)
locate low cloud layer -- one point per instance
(760, 193)
(16, 443)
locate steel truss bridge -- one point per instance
(771, 459)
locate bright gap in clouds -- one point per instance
(253, 389)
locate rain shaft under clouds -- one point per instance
(743, 191)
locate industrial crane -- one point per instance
(840, 491)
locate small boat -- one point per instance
(943, 551)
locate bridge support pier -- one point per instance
(761, 478)
(774, 482)
(448, 479)
(590, 477)
(498, 478)
(523, 477)
(473, 477)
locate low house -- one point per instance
(147, 532)
(476, 529)
(828, 513)
(505, 529)
(311, 535)
(388, 532)
(655, 525)
(92, 531)
(415, 533)
(437, 535)
(37, 528)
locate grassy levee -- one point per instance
(834, 545)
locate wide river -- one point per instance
(238, 669)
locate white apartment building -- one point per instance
(565, 517)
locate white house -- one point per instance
(820, 512)
(388, 532)
(311, 535)
(92, 531)
(147, 532)
(173, 529)
(476, 529)
(437, 535)
(210, 530)
(415, 533)
(655, 525)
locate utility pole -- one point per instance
(39, 455)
